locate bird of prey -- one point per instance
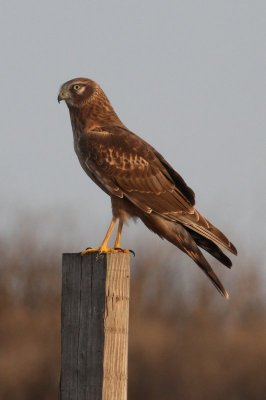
(140, 182)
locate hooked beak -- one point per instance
(63, 95)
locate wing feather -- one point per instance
(125, 165)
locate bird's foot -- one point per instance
(119, 250)
(96, 250)
(89, 250)
(104, 249)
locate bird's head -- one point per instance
(87, 97)
(78, 92)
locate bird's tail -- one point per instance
(182, 238)
(210, 247)
(204, 228)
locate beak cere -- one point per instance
(62, 95)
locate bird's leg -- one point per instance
(119, 233)
(103, 248)
(118, 239)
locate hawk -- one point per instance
(140, 182)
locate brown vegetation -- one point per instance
(186, 342)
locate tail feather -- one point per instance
(199, 224)
(210, 247)
(201, 261)
(181, 238)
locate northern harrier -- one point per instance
(140, 182)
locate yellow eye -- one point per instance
(76, 88)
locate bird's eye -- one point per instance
(76, 88)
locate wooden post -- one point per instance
(94, 334)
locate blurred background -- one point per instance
(189, 77)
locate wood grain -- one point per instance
(94, 333)
(116, 327)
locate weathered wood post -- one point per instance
(94, 333)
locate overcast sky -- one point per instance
(188, 76)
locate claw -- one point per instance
(105, 250)
(89, 250)
(125, 250)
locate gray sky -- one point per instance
(188, 76)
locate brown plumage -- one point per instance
(138, 179)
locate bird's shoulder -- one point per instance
(117, 142)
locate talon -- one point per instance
(89, 250)
(119, 249)
(104, 249)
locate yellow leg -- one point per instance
(119, 233)
(108, 235)
(118, 239)
(103, 248)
